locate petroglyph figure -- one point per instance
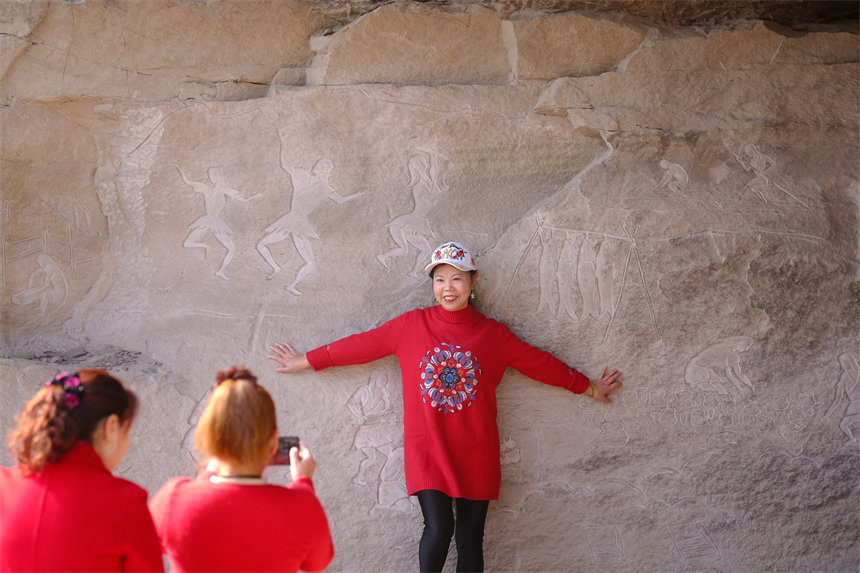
(310, 191)
(719, 367)
(795, 420)
(753, 160)
(45, 285)
(413, 228)
(847, 397)
(674, 178)
(377, 440)
(215, 193)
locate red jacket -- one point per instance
(207, 526)
(451, 364)
(75, 516)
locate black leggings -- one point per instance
(439, 527)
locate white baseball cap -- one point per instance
(452, 253)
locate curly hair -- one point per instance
(50, 425)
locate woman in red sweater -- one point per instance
(452, 358)
(229, 518)
(61, 508)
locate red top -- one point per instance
(207, 526)
(75, 516)
(451, 364)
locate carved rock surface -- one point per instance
(672, 193)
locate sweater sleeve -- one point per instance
(542, 366)
(143, 552)
(321, 550)
(360, 348)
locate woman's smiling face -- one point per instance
(452, 287)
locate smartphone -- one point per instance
(282, 455)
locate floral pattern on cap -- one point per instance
(452, 253)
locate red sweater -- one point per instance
(451, 364)
(75, 516)
(207, 526)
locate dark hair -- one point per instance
(238, 420)
(433, 271)
(50, 425)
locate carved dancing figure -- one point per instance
(847, 389)
(375, 438)
(310, 191)
(413, 228)
(215, 194)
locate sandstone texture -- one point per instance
(673, 194)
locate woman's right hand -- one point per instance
(287, 356)
(302, 462)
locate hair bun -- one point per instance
(235, 373)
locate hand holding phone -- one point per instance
(282, 454)
(303, 463)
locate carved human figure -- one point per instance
(310, 191)
(45, 284)
(215, 193)
(751, 159)
(376, 439)
(675, 178)
(413, 228)
(719, 366)
(754, 160)
(847, 390)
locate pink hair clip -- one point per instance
(71, 385)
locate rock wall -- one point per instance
(186, 183)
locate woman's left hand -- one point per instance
(605, 384)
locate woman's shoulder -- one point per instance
(172, 485)
(9, 476)
(7, 472)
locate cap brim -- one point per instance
(432, 266)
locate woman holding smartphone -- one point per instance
(229, 518)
